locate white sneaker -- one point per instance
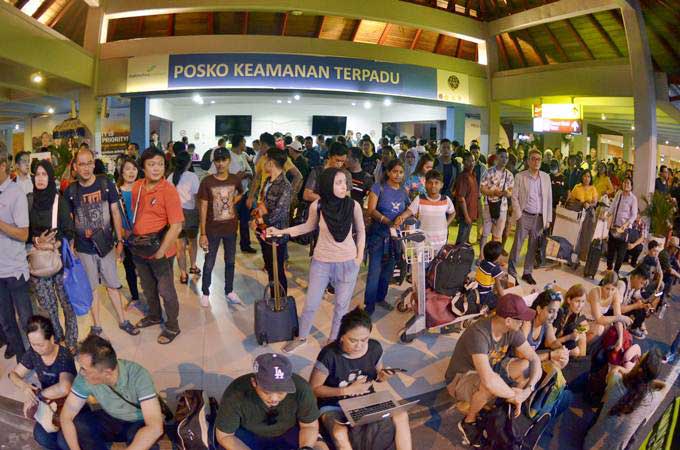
(205, 301)
(234, 299)
(293, 345)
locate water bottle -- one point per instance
(662, 313)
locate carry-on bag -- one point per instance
(593, 259)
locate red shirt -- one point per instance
(158, 207)
(466, 187)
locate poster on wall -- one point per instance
(115, 131)
(284, 71)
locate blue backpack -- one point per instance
(547, 393)
(76, 283)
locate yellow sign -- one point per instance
(453, 87)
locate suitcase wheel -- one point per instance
(262, 339)
(406, 338)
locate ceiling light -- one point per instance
(37, 78)
(296, 12)
(604, 117)
(354, 103)
(16, 127)
(296, 96)
(212, 102)
(387, 102)
(197, 99)
(367, 104)
(50, 110)
(632, 127)
(666, 142)
(279, 101)
(289, 101)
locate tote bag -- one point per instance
(76, 284)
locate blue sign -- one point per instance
(281, 71)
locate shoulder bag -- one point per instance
(495, 207)
(76, 283)
(46, 263)
(46, 413)
(620, 235)
(168, 415)
(144, 245)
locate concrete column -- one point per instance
(89, 112)
(490, 127)
(28, 133)
(455, 124)
(644, 98)
(139, 121)
(628, 147)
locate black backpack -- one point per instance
(502, 431)
(448, 270)
(195, 417)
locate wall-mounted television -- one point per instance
(228, 125)
(329, 125)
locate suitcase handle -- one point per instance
(278, 288)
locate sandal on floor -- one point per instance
(129, 328)
(147, 322)
(195, 271)
(167, 337)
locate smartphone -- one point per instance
(395, 370)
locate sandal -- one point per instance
(195, 271)
(167, 337)
(147, 322)
(129, 328)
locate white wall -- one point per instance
(161, 108)
(400, 112)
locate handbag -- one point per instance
(46, 263)
(620, 235)
(144, 245)
(76, 283)
(46, 413)
(495, 207)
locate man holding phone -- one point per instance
(634, 303)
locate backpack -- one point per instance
(449, 269)
(597, 376)
(502, 431)
(195, 416)
(373, 436)
(547, 392)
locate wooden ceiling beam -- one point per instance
(503, 51)
(284, 24)
(467, 7)
(530, 40)
(62, 12)
(458, 44)
(211, 23)
(664, 43)
(384, 34)
(556, 42)
(579, 39)
(416, 37)
(356, 30)
(319, 29)
(171, 25)
(244, 25)
(42, 9)
(518, 50)
(600, 29)
(20, 4)
(438, 45)
(140, 26)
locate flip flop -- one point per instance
(167, 337)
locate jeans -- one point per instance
(243, 218)
(616, 251)
(287, 441)
(463, 232)
(157, 281)
(528, 226)
(268, 256)
(638, 316)
(130, 273)
(229, 243)
(48, 441)
(381, 262)
(14, 300)
(343, 277)
(96, 429)
(675, 346)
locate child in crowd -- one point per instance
(434, 210)
(571, 325)
(650, 263)
(488, 275)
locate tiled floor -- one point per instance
(217, 344)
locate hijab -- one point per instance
(410, 168)
(337, 212)
(44, 199)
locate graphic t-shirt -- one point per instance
(487, 272)
(49, 375)
(369, 163)
(343, 371)
(361, 184)
(391, 202)
(478, 340)
(221, 219)
(91, 210)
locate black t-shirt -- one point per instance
(49, 375)
(343, 371)
(369, 163)
(361, 185)
(91, 209)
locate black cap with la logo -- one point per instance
(274, 373)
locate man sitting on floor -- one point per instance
(270, 408)
(479, 371)
(130, 410)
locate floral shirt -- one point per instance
(497, 179)
(415, 185)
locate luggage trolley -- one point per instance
(567, 227)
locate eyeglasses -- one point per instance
(87, 164)
(272, 417)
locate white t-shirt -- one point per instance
(26, 184)
(433, 218)
(187, 189)
(239, 163)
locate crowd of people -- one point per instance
(346, 194)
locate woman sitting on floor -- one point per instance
(348, 367)
(540, 332)
(571, 325)
(604, 308)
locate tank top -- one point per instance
(535, 343)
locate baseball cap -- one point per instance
(295, 145)
(221, 153)
(514, 307)
(274, 373)
(674, 242)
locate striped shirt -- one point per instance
(433, 218)
(487, 272)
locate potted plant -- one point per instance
(661, 209)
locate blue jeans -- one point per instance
(229, 243)
(14, 300)
(381, 262)
(243, 218)
(343, 277)
(287, 441)
(48, 441)
(675, 346)
(463, 232)
(96, 429)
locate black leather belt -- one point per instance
(530, 214)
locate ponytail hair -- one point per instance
(182, 161)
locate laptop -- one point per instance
(371, 407)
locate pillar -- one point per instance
(7, 138)
(89, 112)
(455, 124)
(644, 98)
(139, 121)
(490, 127)
(28, 134)
(628, 147)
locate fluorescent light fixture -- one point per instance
(296, 96)
(37, 78)
(50, 110)
(604, 117)
(279, 101)
(354, 103)
(289, 101)
(387, 101)
(212, 102)
(367, 104)
(16, 127)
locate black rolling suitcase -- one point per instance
(276, 317)
(593, 260)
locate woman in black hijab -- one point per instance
(338, 253)
(49, 291)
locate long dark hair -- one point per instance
(639, 383)
(182, 161)
(127, 160)
(424, 158)
(354, 319)
(391, 165)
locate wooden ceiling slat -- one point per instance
(356, 30)
(42, 9)
(503, 51)
(20, 4)
(457, 53)
(284, 24)
(518, 49)
(322, 22)
(140, 26)
(579, 39)
(211, 23)
(438, 45)
(414, 42)
(608, 39)
(661, 39)
(171, 25)
(383, 35)
(556, 42)
(530, 40)
(244, 25)
(62, 12)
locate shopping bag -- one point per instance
(76, 284)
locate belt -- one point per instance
(531, 214)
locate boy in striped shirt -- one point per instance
(488, 275)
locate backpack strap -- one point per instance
(55, 211)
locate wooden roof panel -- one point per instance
(426, 41)
(337, 28)
(191, 24)
(400, 36)
(369, 31)
(303, 26)
(264, 23)
(228, 22)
